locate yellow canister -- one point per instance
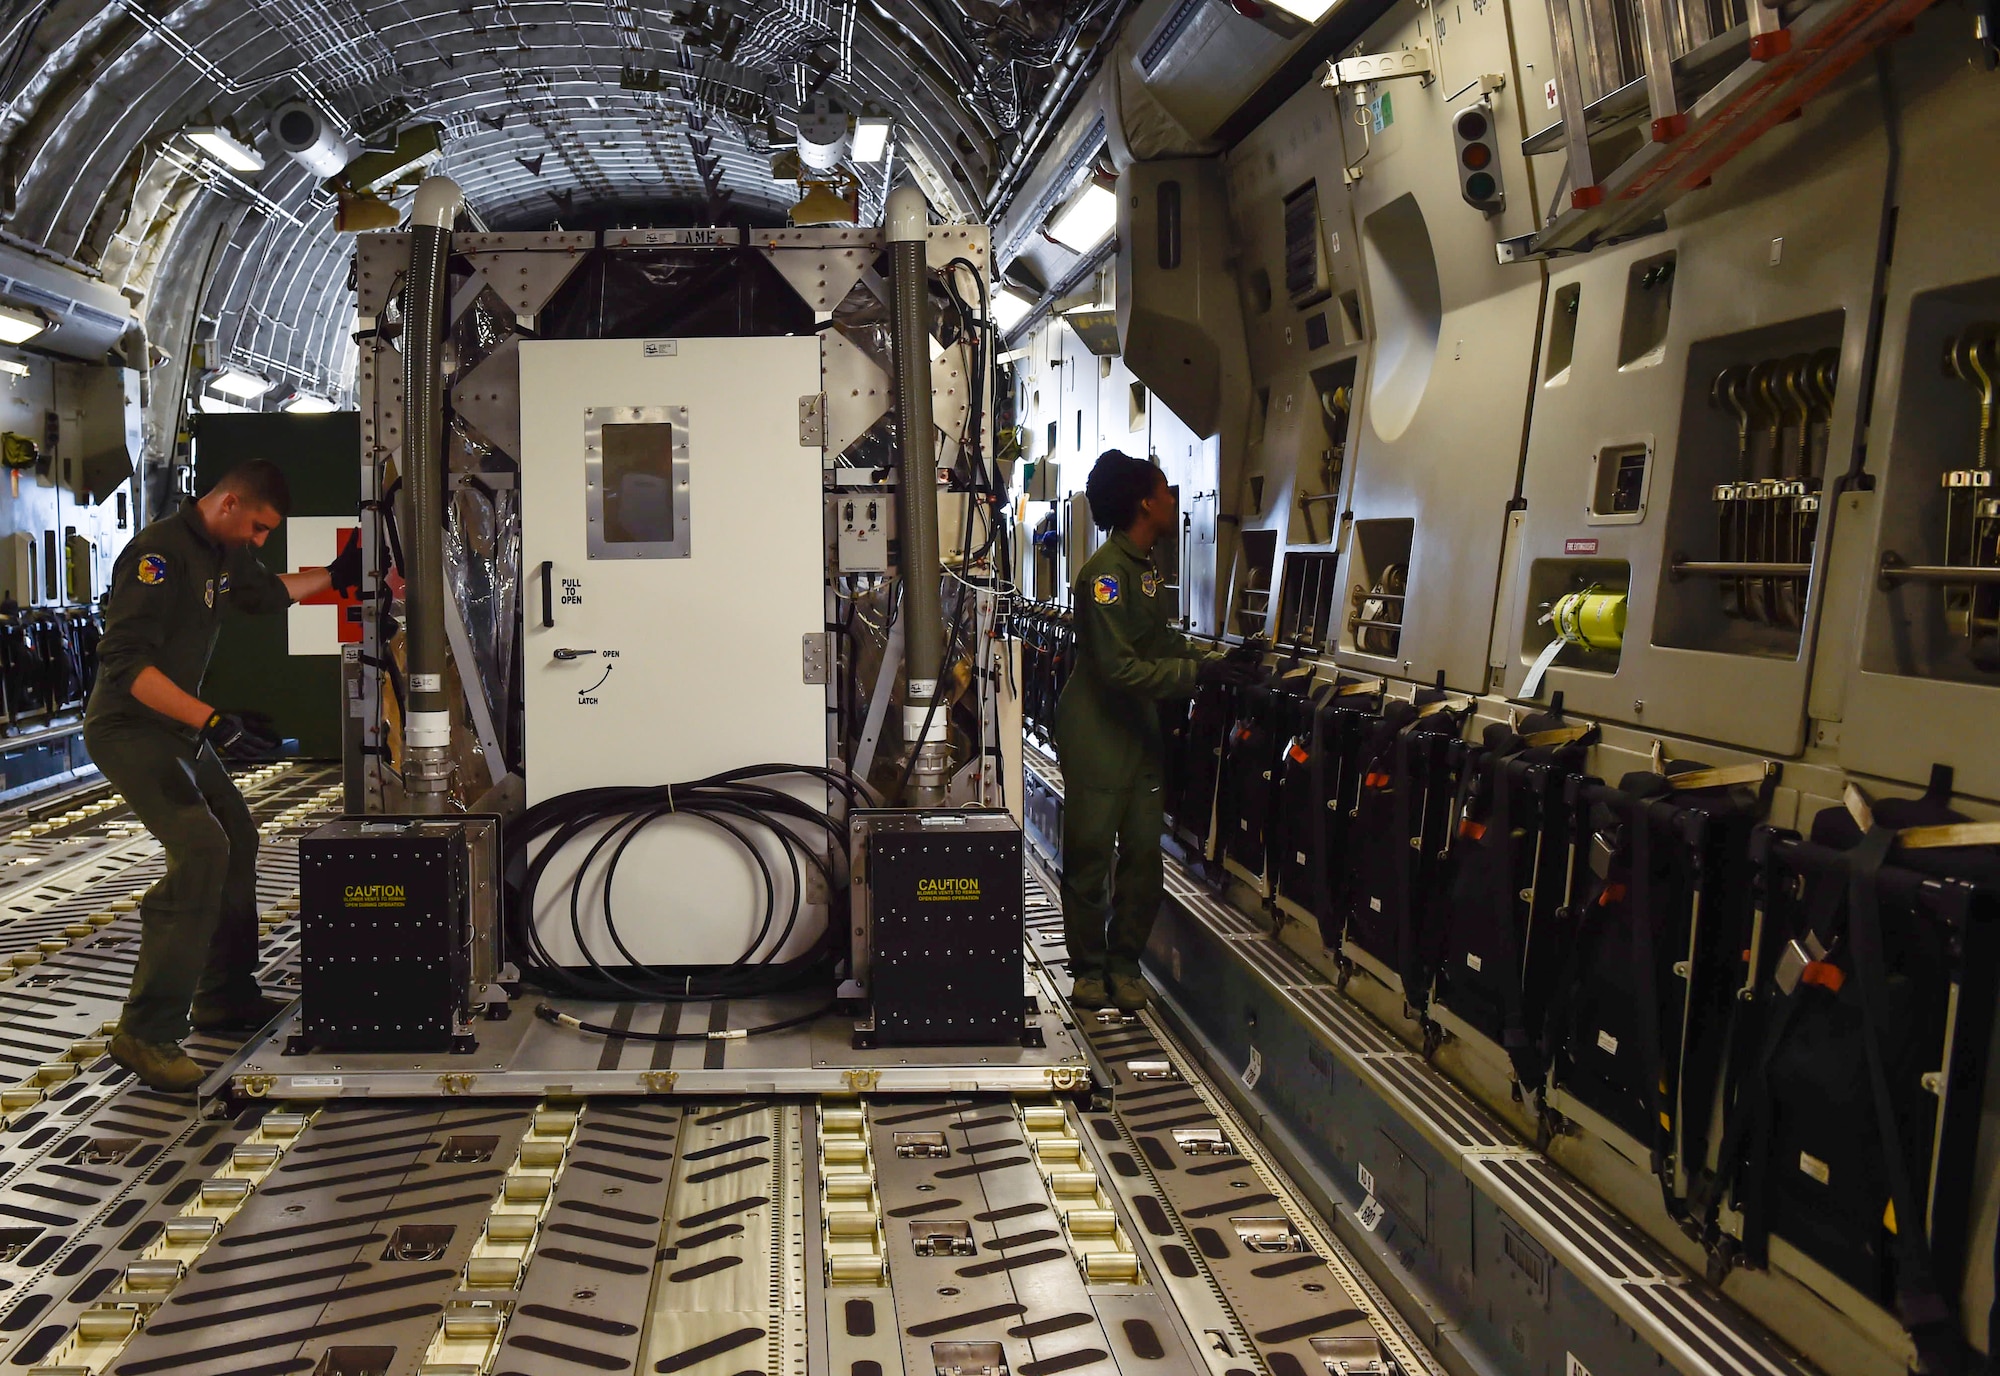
(1593, 618)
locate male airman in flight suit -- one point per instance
(154, 738)
(1108, 740)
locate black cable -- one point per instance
(733, 802)
(548, 1014)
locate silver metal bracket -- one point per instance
(813, 656)
(1356, 71)
(812, 420)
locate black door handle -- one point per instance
(548, 593)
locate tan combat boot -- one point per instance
(1129, 993)
(166, 1068)
(1089, 992)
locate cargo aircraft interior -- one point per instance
(999, 687)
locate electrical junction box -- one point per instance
(938, 915)
(865, 519)
(398, 932)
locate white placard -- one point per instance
(311, 543)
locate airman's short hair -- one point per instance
(1117, 484)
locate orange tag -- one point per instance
(1468, 827)
(1827, 977)
(1298, 754)
(1613, 893)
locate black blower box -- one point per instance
(396, 932)
(939, 914)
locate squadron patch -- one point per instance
(223, 586)
(152, 569)
(208, 593)
(1105, 590)
(1149, 583)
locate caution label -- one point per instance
(947, 891)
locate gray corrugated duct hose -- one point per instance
(924, 718)
(427, 724)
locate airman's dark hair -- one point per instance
(1117, 484)
(260, 483)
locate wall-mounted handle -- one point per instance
(548, 593)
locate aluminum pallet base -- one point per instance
(524, 1056)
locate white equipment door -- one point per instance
(672, 532)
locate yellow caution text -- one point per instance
(947, 891)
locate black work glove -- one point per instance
(1250, 651)
(345, 570)
(1227, 672)
(227, 733)
(232, 738)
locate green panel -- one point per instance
(253, 669)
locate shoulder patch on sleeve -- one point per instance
(152, 568)
(1104, 589)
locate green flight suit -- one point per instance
(1109, 745)
(198, 924)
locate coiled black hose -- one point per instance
(739, 803)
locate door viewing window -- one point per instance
(636, 481)
(638, 484)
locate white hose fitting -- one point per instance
(437, 204)
(908, 215)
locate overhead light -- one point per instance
(871, 138)
(17, 369)
(1312, 11)
(18, 326)
(1086, 220)
(306, 404)
(226, 148)
(235, 382)
(1010, 307)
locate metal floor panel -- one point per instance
(891, 1226)
(446, 1236)
(435, 1238)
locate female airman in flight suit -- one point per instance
(1129, 657)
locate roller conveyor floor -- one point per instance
(1139, 1230)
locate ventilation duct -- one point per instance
(310, 139)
